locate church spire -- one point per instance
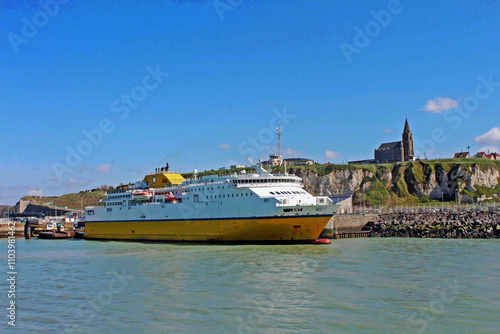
(407, 126)
(407, 142)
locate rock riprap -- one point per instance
(462, 225)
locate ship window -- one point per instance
(271, 193)
(196, 199)
(287, 210)
(266, 200)
(233, 195)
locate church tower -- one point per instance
(407, 142)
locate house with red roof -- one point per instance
(481, 155)
(462, 155)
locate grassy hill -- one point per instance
(220, 172)
(6, 207)
(72, 201)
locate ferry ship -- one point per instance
(242, 208)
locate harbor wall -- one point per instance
(347, 224)
(4, 228)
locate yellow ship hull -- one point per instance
(273, 229)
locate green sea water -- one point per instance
(370, 285)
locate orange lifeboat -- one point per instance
(170, 198)
(142, 195)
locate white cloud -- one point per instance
(388, 130)
(490, 137)
(103, 169)
(332, 155)
(35, 192)
(291, 153)
(225, 147)
(439, 105)
(491, 149)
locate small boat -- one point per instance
(170, 198)
(142, 195)
(57, 233)
(51, 234)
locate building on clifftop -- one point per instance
(397, 151)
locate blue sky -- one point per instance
(202, 84)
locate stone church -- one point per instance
(397, 151)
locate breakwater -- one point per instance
(460, 225)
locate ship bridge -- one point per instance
(267, 180)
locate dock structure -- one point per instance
(27, 230)
(349, 235)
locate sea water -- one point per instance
(369, 285)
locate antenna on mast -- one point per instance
(280, 160)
